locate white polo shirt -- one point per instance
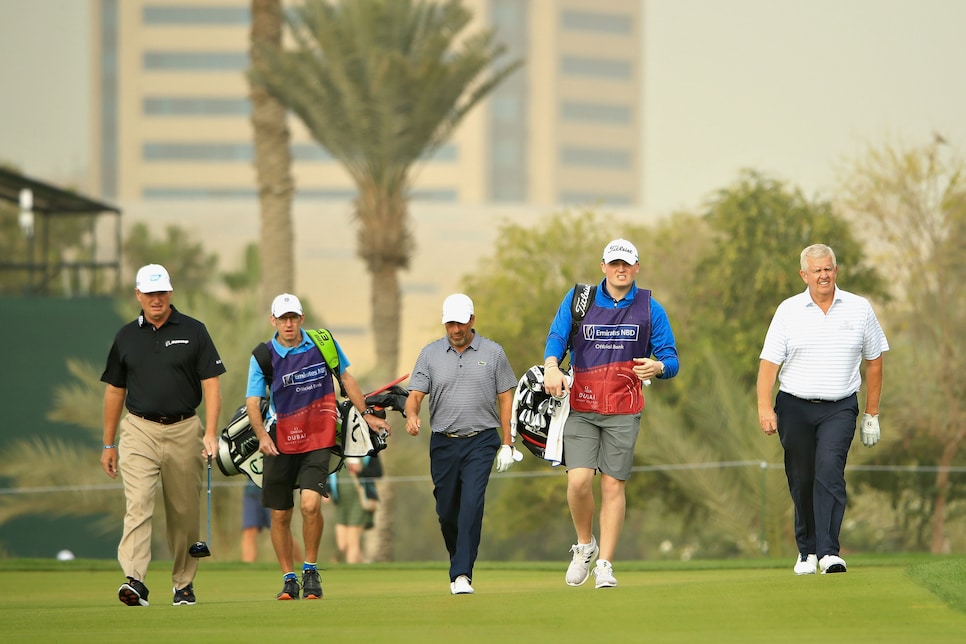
(820, 353)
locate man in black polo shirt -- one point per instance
(159, 366)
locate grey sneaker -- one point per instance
(290, 589)
(133, 593)
(311, 585)
(604, 575)
(579, 569)
(184, 596)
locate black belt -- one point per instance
(163, 420)
(822, 400)
(470, 435)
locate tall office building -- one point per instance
(174, 115)
(174, 146)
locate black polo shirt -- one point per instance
(162, 369)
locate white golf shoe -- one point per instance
(806, 564)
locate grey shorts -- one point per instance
(599, 442)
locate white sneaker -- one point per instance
(461, 586)
(579, 569)
(604, 575)
(832, 563)
(806, 565)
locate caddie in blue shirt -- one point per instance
(611, 356)
(297, 452)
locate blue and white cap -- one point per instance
(286, 303)
(153, 278)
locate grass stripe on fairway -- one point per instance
(880, 599)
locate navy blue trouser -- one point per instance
(460, 468)
(816, 438)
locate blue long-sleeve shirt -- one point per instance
(662, 337)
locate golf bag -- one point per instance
(238, 446)
(356, 439)
(538, 418)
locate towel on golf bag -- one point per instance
(538, 418)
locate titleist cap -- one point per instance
(620, 249)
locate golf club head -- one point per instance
(199, 549)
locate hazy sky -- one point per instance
(792, 88)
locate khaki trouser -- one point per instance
(148, 452)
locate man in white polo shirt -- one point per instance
(819, 339)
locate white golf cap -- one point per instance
(152, 278)
(286, 303)
(620, 249)
(457, 308)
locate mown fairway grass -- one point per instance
(880, 599)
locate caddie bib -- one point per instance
(305, 403)
(604, 348)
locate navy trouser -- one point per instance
(816, 437)
(460, 468)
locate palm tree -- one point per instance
(381, 84)
(273, 161)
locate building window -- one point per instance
(608, 23)
(595, 157)
(159, 193)
(310, 152)
(196, 61)
(448, 195)
(168, 106)
(608, 68)
(218, 152)
(196, 15)
(596, 113)
(590, 198)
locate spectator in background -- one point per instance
(354, 493)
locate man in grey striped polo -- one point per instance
(819, 339)
(470, 385)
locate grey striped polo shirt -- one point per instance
(462, 387)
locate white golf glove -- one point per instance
(870, 430)
(507, 456)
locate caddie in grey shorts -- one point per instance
(601, 442)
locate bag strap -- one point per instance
(581, 302)
(264, 359)
(326, 345)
